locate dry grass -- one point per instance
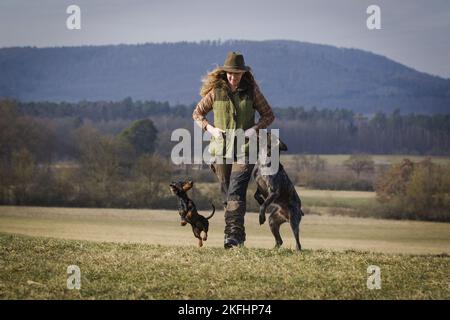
(335, 194)
(338, 159)
(161, 227)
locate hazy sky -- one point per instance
(414, 32)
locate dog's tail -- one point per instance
(212, 213)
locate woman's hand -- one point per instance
(216, 132)
(250, 132)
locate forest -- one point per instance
(304, 130)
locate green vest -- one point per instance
(231, 111)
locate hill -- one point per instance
(291, 73)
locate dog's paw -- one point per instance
(262, 218)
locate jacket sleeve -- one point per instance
(262, 106)
(202, 108)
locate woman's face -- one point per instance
(234, 78)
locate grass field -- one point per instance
(162, 227)
(387, 159)
(145, 254)
(35, 268)
(312, 199)
(359, 200)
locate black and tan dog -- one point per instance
(188, 211)
(276, 194)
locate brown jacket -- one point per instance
(259, 103)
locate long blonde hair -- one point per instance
(218, 79)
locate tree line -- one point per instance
(105, 170)
(304, 130)
(126, 169)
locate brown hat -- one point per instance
(235, 63)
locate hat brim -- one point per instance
(234, 70)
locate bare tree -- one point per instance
(360, 163)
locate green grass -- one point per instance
(35, 268)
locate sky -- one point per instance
(413, 32)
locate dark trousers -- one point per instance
(233, 179)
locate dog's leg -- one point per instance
(294, 219)
(205, 237)
(197, 234)
(259, 197)
(262, 211)
(275, 221)
(183, 220)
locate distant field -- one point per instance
(336, 194)
(312, 198)
(334, 159)
(161, 227)
(360, 200)
(338, 159)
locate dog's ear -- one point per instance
(283, 146)
(188, 185)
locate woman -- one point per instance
(233, 95)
